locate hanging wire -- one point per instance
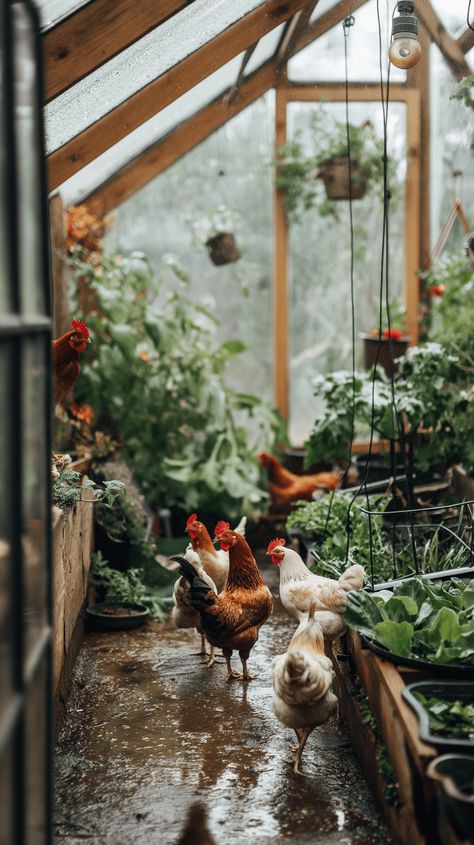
(468, 15)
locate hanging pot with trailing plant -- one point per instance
(384, 349)
(341, 181)
(223, 248)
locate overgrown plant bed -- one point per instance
(370, 693)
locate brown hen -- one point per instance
(66, 355)
(285, 487)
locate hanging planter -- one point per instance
(384, 350)
(223, 249)
(342, 182)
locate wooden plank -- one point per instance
(87, 39)
(412, 216)
(450, 49)
(59, 270)
(164, 152)
(294, 33)
(334, 16)
(147, 102)
(335, 91)
(466, 40)
(419, 78)
(280, 277)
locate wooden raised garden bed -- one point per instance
(414, 818)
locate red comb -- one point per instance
(81, 327)
(221, 527)
(278, 542)
(191, 519)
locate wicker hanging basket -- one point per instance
(336, 178)
(223, 249)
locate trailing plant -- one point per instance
(158, 384)
(219, 221)
(298, 164)
(124, 587)
(67, 490)
(421, 619)
(464, 91)
(447, 717)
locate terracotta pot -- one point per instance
(335, 175)
(390, 349)
(223, 249)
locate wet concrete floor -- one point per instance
(150, 730)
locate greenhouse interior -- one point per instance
(237, 422)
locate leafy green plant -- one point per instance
(124, 587)
(298, 170)
(219, 221)
(421, 619)
(156, 378)
(464, 91)
(387, 773)
(447, 717)
(67, 490)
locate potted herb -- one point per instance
(445, 710)
(325, 156)
(127, 602)
(215, 231)
(384, 345)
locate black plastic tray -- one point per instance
(448, 691)
(451, 670)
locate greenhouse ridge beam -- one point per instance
(450, 48)
(143, 105)
(94, 34)
(179, 141)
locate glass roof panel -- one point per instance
(265, 49)
(452, 15)
(150, 57)
(322, 7)
(323, 60)
(94, 174)
(52, 11)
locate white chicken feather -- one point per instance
(183, 614)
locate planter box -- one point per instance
(337, 179)
(415, 821)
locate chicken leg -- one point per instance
(246, 675)
(231, 673)
(303, 737)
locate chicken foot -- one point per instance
(303, 735)
(231, 673)
(246, 675)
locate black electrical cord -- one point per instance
(468, 15)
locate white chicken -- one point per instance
(302, 680)
(215, 561)
(183, 614)
(299, 588)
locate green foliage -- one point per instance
(155, 376)
(298, 170)
(67, 490)
(448, 718)
(387, 773)
(464, 91)
(124, 587)
(439, 623)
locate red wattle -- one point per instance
(276, 560)
(225, 547)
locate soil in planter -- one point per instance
(118, 611)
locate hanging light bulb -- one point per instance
(405, 50)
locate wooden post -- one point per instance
(412, 217)
(59, 269)
(280, 277)
(419, 78)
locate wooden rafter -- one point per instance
(366, 92)
(234, 91)
(164, 152)
(94, 34)
(466, 40)
(449, 47)
(294, 33)
(327, 21)
(143, 105)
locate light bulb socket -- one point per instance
(405, 26)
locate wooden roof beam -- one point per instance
(179, 141)
(327, 21)
(293, 34)
(95, 33)
(466, 40)
(449, 47)
(104, 133)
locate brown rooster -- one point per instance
(66, 354)
(232, 619)
(285, 487)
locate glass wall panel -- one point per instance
(323, 60)
(34, 490)
(6, 796)
(232, 167)
(319, 270)
(452, 14)
(5, 295)
(26, 130)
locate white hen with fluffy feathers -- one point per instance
(183, 614)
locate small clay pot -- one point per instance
(223, 249)
(390, 349)
(337, 179)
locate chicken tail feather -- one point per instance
(202, 597)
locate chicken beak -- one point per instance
(89, 340)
